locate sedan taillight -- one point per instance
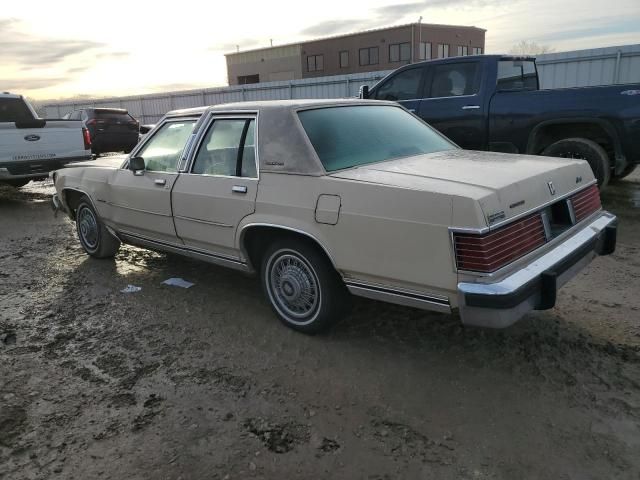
(493, 250)
(586, 202)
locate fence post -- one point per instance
(348, 94)
(142, 114)
(616, 70)
(290, 90)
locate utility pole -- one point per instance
(420, 39)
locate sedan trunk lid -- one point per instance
(504, 185)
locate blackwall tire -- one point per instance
(628, 170)
(583, 149)
(303, 288)
(94, 237)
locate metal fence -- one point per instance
(150, 108)
(601, 66)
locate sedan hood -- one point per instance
(504, 185)
(112, 161)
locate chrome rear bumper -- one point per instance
(534, 287)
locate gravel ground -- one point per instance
(205, 383)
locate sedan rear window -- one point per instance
(346, 137)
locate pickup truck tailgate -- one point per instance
(33, 149)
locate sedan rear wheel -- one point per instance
(302, 286)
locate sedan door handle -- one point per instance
(160, 181)
(239, 189)
(471, 107)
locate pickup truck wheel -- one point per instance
(93, 235)
(583, 149)
(628, 170)
(302, 286)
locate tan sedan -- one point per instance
(323, 198)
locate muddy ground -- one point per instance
(205, 383)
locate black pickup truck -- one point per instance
(494, 102)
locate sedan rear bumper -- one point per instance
(534, 287)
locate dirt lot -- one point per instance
(205, 383)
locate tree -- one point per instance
(526, 47)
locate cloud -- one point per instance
(334, 27)
(243, 43)
(114, 55)
(42, 52)
(76, 70)
(23, 84)
(392, 14)
(616, 25)
(28, 51)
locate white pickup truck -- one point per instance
(31, 147)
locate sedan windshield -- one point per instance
(345, 137)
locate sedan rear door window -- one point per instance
(228, 149)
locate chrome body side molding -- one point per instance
(407, 298)
(146, 242)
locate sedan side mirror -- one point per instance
(136, 165)
(364, 92)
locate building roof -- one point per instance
(343, 35)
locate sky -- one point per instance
(68, 48)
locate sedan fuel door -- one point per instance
(140, 201)
(220, 187)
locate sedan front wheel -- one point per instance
(93, 235)
(302, 286)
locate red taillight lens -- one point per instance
(86, 138)
(491, 251)
(586, 202)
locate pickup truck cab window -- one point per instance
(14, 110)
(346, 137)
(228, 149)
(403, 86)
(454, 79)
(162, 152)
(517, 75)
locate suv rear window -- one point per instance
(110, 115)
(346, 137)
(14, 110)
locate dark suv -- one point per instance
(111, 129)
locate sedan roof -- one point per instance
(283, 146)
